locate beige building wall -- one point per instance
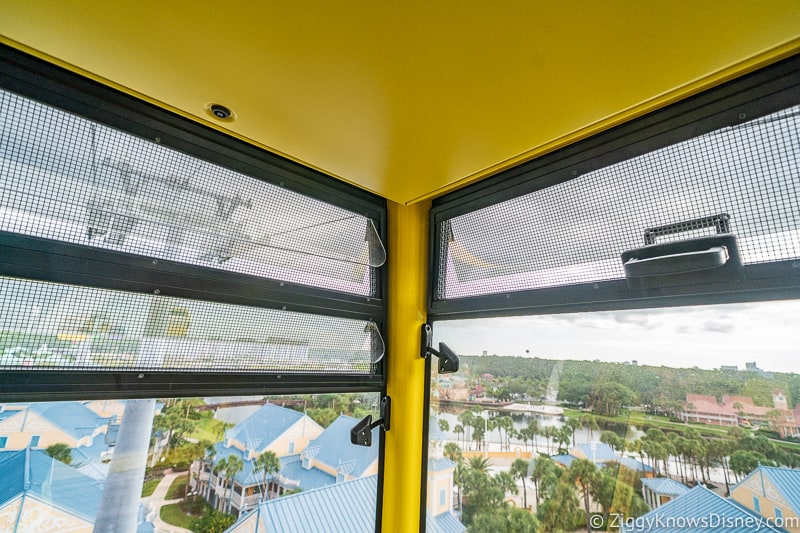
(769, 499)
(20, 428)
(40, 517)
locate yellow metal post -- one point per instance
(408, 238)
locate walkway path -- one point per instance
(158, 500)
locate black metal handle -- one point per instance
(722, 223)
(680, 263)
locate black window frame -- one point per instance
(767, 90)
(40, 259)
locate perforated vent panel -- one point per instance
(65, 178)
(47, 326)
(574, 232)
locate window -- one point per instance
(756, 504)
(591, 335)
(442, 496)
(168, 270)
(3, 442)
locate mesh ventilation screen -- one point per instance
(574, 232)
(63, 177)
(47, 326)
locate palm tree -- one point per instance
(480, 464)
(519, 469)
(211, 453)
(586, 475)
(466, 420)
(562, 436)
(453, 452)
(269, 464)
(533, 427)
(573, 424)
(590, 421)
(233, 466)
(458, 429)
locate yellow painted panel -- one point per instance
(409, 100)
(408, 236)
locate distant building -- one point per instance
(751, 367)
(729, 368)
(658, 491)
(741, 411)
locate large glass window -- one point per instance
(152, 272)
(236, 461)
(624, 309)
(692, 395)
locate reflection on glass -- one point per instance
(65, 178)
(557, 420)
(244, 463)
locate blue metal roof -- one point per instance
(343, 507)
(785, 480)
(441, 463)
(597, 452)
(335, 449)
(443, 523)
(565, 460)
(699, 511)
(665, 486)
(314, 478)
(634, 464)
(260, 429)
(34, 473)
(73, 418)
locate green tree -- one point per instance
(573, 424)
(608, 397)
(590, 422)
(229, 467)
(585, 474)
(453, 452)
(559, 512)
(323, 416)
(60, 452)
(267, 463)
(542, 467)
(743, 462)
(443, 424)
(458, 429)
(213, 522)
(534, 428)
(508, 519)
(519, 469)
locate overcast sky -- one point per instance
(767, 333)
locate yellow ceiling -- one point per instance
(408, 99)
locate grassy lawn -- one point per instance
(172, 514)
(208, 428)
(149, 487)
(178, 488)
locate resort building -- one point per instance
(699, 510)
(773, 493)
(39, 425)
(283, 431)
(658, 491)
(38, 493)
(735, 411)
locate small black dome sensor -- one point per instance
(220, 111)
